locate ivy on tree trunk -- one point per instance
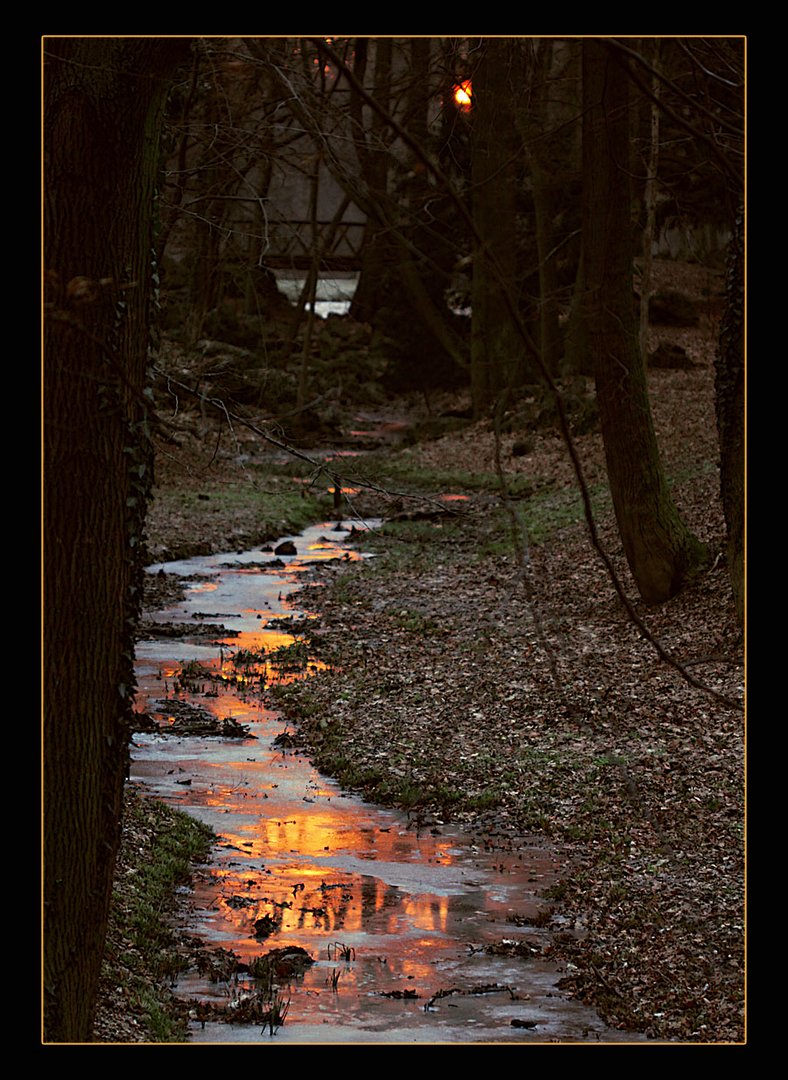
(103, 106)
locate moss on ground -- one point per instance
(159, 848)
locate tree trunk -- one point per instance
(547, 140)
(495, 344)
(377, 259)
(544, 191)
(577, 349)
(650, 205)
(661, 552)
(729, 388)
(102, 112)
(373, 159)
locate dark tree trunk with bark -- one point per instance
(729, 387)
(103, 105)
(377, 256)
(495, 343)
(662, 553)
(549, 141)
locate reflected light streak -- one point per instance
(257, 640)
(428, 912)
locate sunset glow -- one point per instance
(463, 95)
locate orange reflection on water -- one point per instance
(244, 842)
(258, 655)
(257, 640)
(218, 796)
(335, 900)
(428, 912)
(310, 835)
(288, 872)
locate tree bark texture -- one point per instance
(495, 343)
(553, 151)
(730, 405)
(102, 111)
(661, 552)
(373, 160)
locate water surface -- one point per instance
(419, 934)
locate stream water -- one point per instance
(419, 935)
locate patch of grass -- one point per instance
(333, 757)
(550, 511)
(542, 514)
(487, 799)
(280, 506)
(265, 1003)
(169, 865)
(595, 830)
(402, 792)
(559, 891)
(193, 675)
(431, 542)
(161, 1024)
(609, 759)
(296, 700)
(141, 955)
(400, 471)
(249, 658)
(343, 591)
(415, 622)
(417, 532)
(293, 657)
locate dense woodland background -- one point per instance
(502, 200)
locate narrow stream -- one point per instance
(417, 935)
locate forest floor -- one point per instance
(513, 695)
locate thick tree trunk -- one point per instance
(544, 189)
(661, 552)
(730, 394)
(377, 259)
(103, 105)
(577, 349)
(548, 142)
(650, 205)
(374, 167)
(495, 343)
